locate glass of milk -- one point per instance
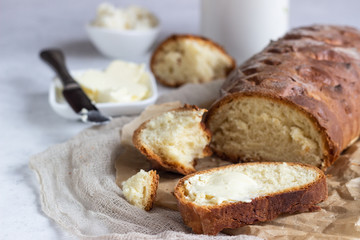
(244, 27)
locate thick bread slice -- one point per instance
(236, 195)
(140, 189)
(184, 59)
(297, 100)
(175, 139)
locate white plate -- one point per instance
(61, 107)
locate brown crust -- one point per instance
(154, 186)
(157, 161)
(315, 69)
(177, 37)
(214, 218)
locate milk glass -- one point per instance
(244, 27)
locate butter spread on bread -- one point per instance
(264, 191)
(175, 139)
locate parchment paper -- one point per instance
(340, 214)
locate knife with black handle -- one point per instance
(72, 91)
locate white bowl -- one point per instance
(124, 44)
(61, 107)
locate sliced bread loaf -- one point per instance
(236, 195)
(140, 189)
(174, 139)
(184, 59)
(297, 100)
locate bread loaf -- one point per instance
(175, 139)
(297, 100)
(184, 59)
(240, 194)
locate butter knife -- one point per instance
(72, 91)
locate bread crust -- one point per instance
(157, 162)
(179, 37)
(154, 186)
(314, 69)
(211, 219)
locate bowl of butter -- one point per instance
(124, 33)
(123, 88)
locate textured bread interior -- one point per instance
(269, 178)
(138, 189)
(176, 136)
(190, 61)
(259, 128)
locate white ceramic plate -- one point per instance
(61, 107)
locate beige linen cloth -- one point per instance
(78, 188)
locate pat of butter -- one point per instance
(218, 187)
(120, 82)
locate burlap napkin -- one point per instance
(78, 189)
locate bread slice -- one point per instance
(174, 139)
(240, 194)
(184, 59)
(140, 189)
